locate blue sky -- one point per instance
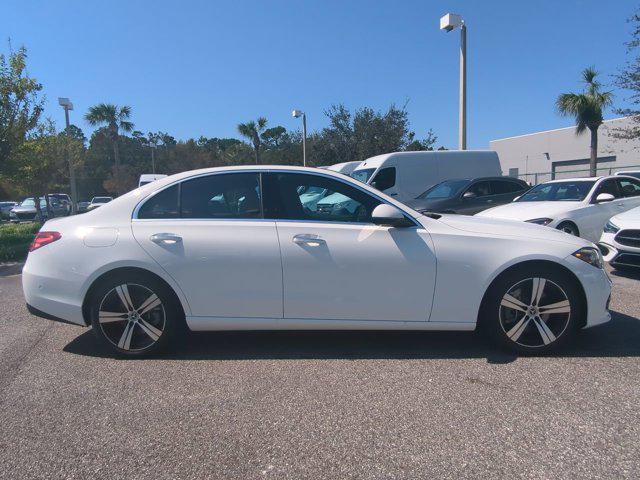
(198, 68)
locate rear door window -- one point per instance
(499, 187)
(229, 195)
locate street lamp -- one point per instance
(66, 104)
(298, 114)
(153, 146)
(450, 22)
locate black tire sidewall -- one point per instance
(575, 232)
(490, 316)
(167, 298)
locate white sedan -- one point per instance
(235, 249)
(579, 206)
(620, 241)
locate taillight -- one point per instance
(44, 238)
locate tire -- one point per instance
(513, 318)
(145, 328)
(570, 228)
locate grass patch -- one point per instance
(15, 239)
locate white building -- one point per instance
(542, 156)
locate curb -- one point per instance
(11, 268)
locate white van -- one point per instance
(405, 175)
(148, 178)
(346, 168)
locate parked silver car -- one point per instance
(5, 209)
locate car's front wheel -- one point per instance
(534, 309)
(134, 314)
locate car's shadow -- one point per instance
(633, 274)
(618, 338)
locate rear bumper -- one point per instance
(39, 313)
(54, 298)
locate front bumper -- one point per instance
(618, 255)
(597, 288)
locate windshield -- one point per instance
(363, 175)
(446, 189)
(570, 191)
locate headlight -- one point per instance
(540, 221)
(611, 227)
(590, 255)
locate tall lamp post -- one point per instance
(66, 104)
(153, 146)
(297, 114)
(450, 22)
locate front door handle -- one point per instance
(165, 238)
(310, 239)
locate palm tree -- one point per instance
(586, 108)
(252, 131)
(114, 119)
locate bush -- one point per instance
(15, 240)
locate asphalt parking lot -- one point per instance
(318, 405)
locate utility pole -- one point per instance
(66, 104)
(297, 114)
(462, 140)
(448, 23)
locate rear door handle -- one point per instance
(310, 239)
(165, 238)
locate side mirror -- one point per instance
(390, 216)
(605, 197)
(469, 195)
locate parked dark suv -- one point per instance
(469, 197)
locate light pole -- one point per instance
(449, 22)
(297, 114)
(66, 104)
(153, 146)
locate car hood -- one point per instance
(529, 210)
(628, 219)
(21, 209)
(510, 228)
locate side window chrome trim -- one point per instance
(142, 201)
(134, 215)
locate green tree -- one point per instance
(112, 119)
(252, 131)
(629, 79)
(273, 137)
(20, 102)
(586, 108)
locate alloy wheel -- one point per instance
(534, 312)
(132, 317)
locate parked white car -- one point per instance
(165, 254)
(630, 173)
(98, 202)
(579, 206)
(620, 241)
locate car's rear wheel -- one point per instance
(134, 314)
(533, 310)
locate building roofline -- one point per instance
(552, 130)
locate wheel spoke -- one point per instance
(125, 339)
(516, 331)
(512, 302)
(559, 307)
(149, 329)
(125, 298)
(546, 334)
(108, 317)
(537, 289)
(149, 304)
